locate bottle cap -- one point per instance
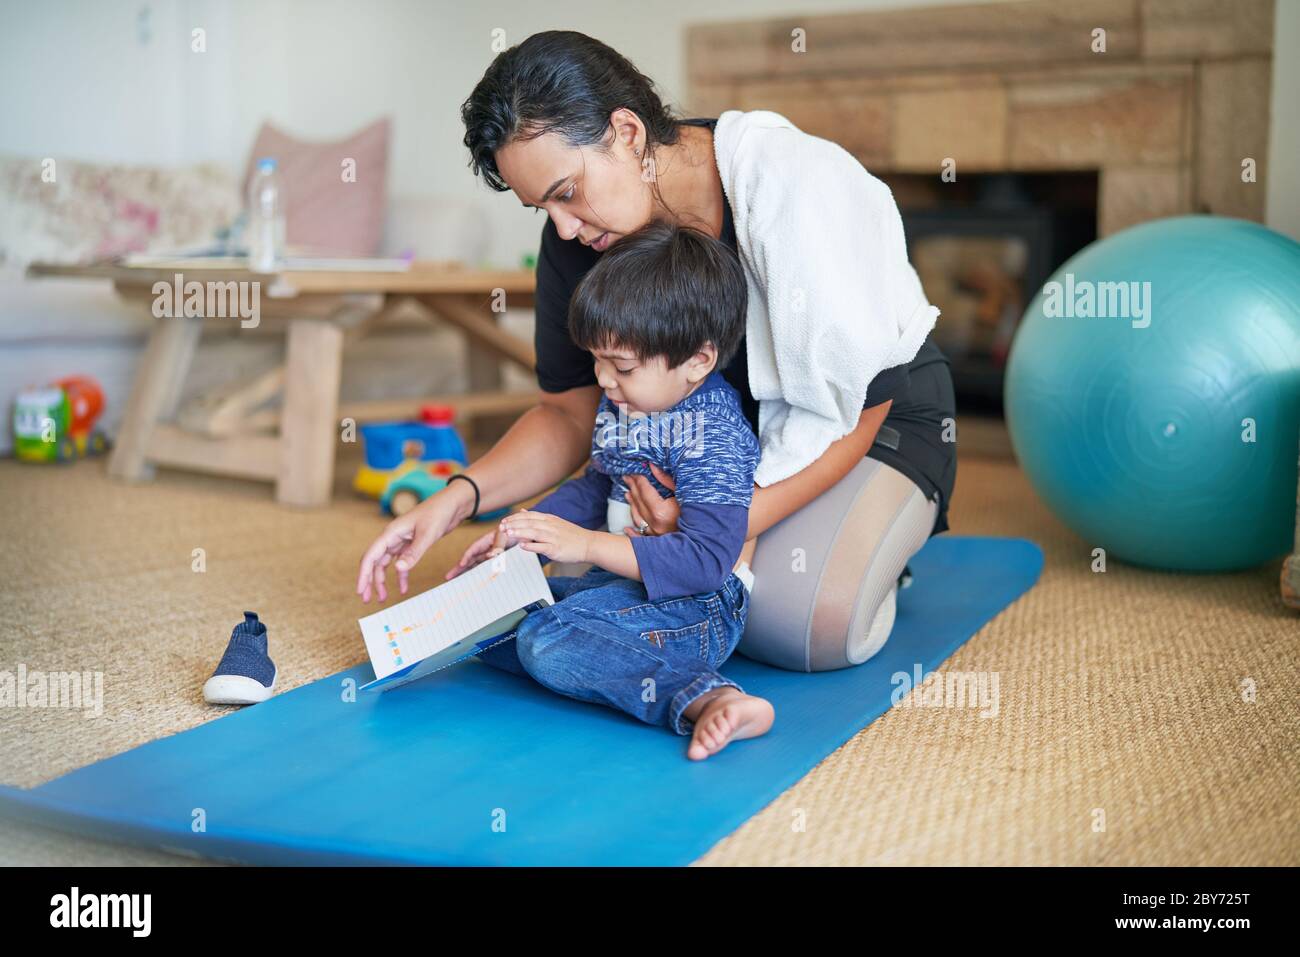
(437, 414)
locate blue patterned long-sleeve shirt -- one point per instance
(707, 445)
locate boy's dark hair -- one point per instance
(664, 290)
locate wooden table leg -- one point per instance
(155, 394)
(484, 365)
(309, 423)
(484, 376)
(488, 344)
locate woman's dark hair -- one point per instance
(563, 82)
(664, 290)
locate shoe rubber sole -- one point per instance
(236, 689)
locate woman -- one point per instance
(852, 403)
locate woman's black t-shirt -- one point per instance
(916, 423)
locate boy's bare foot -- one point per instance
(725, 715)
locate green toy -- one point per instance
(57, 423)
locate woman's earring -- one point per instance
(647, 169)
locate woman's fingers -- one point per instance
(370, 574)
(648, 505)
(666, 480)
(662, 512)
(403, 574)
(380, 572)
(407, 558)
(412, 553)
(638, 491)
(476, 551)
(479, 547)
(369, 560)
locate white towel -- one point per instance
(833, 300)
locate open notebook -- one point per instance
(455, 620)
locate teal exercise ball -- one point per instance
(1152, 393)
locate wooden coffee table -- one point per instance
(319, 311)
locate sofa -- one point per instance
(53, 327)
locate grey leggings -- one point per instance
(825, 577)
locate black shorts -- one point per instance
(912, 437)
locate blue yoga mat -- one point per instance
(477, 766)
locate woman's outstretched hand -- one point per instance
(649, 506)
(404, 542)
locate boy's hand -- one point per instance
(550, 535)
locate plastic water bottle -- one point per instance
(265, 218)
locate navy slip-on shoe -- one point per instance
(245, 675)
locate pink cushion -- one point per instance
(325, 215)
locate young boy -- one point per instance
(647, 627)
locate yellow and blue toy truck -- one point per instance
(406, 462)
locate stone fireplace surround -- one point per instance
(1166, 115)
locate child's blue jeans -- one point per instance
(606, 642)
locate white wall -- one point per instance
(111, 81)
(91, 79)
(420, 60)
